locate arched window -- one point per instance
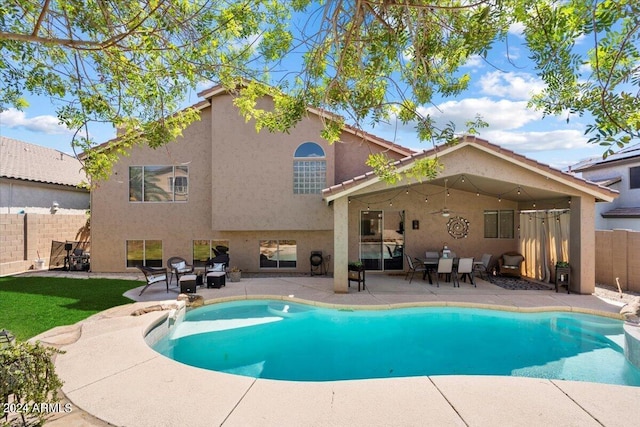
(309, 169)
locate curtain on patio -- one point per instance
(544, 239)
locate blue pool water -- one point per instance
(289, 341)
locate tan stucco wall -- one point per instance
(240, 190)
(116, 220)
(351, 154)
(253, 175)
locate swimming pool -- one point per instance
(289, 341)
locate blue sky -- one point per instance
(499, 90)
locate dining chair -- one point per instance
(445, 266)
(414, 265)
(482, 266)
(465, 268)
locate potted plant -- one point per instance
(234, 274)
(356, 266)
(356, 273)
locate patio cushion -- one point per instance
(216, 267)
(153, 278)
(512, 260)
(179, 265)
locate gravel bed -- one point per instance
(611, 293)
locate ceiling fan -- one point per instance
(445, 212)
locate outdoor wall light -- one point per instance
(54, 207)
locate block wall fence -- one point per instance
(24, 236)
(618, 256)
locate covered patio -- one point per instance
(486, 200)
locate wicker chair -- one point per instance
(509, 264)
(153, 275)
(178, 266)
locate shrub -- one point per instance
(27, 372)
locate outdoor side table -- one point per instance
(562, 277)
(188, 283)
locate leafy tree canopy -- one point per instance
(132, 63)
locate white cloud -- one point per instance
(510, 85)
(501, 115)
(516, 29)
(474, 61)
(535, 141)
(511, 125)
(48, 124)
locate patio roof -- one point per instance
(475, 182)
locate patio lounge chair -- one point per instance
(178, 267)
(153, 275)
(509, 264)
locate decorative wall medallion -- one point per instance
(458, 227)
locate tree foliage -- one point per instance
(606, 82)
(132, 63)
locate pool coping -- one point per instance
(110, 372)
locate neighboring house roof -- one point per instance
(597, 190)
(628, 153)
(608, 182)
(387, 145)
(622, 213)
(30, 162)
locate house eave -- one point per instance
(599, 192)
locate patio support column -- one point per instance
(340, 245)
(582, 245)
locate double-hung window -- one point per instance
(498, 224)
(158, 183)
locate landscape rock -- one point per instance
(156, 307)
(631, 311)
(192, 300)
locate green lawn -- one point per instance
(31, 305)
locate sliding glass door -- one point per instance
(382, 239)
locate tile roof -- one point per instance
(30, 162)
(632, 212)
(468, 140)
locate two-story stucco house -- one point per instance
(223, 183)
(620, 172)
(275, 198)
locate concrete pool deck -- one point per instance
(112, 376)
